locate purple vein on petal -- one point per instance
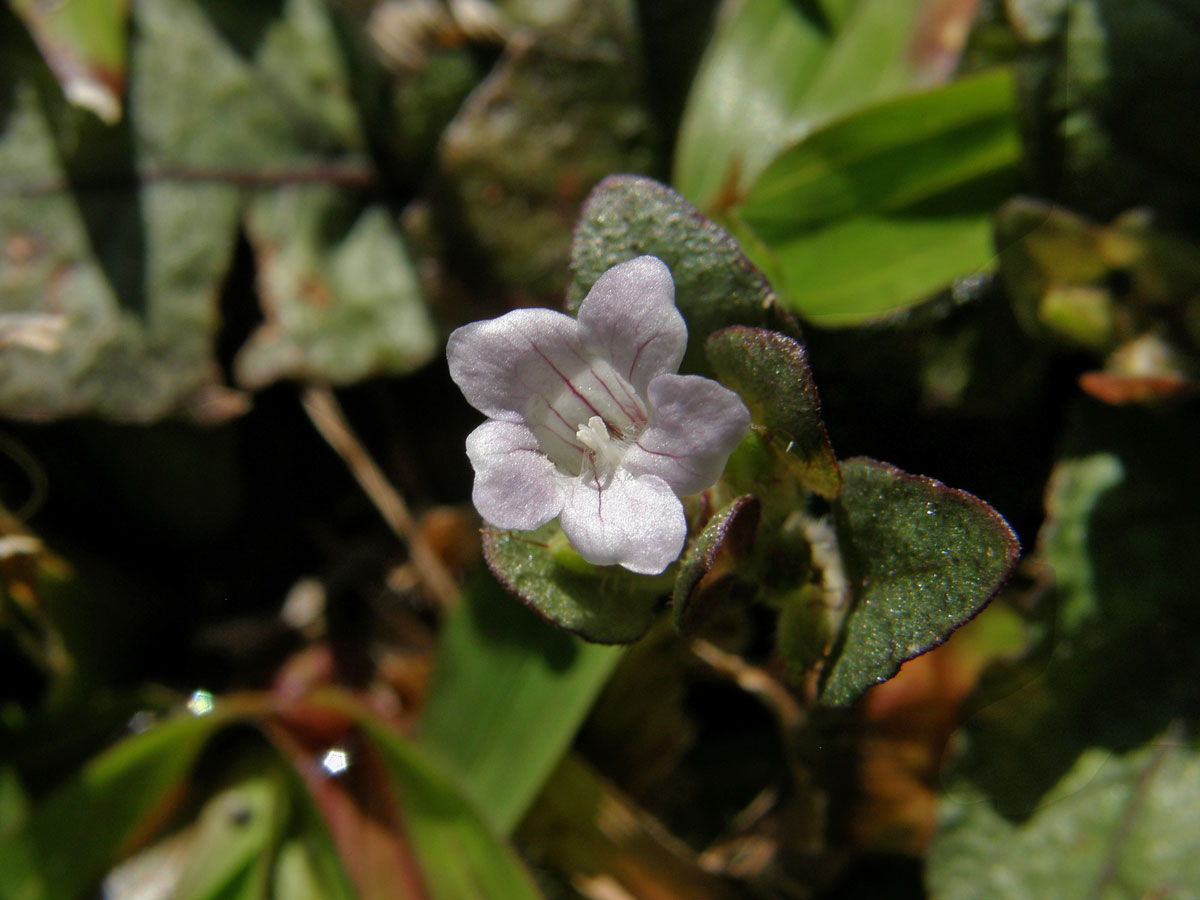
(566, 380)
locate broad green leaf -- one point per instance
(715, 285)
(771, 373)
(76, 834)
(507, 696)
(84, 44)
(462, 858)
(879, 209)
(791, 67)
(607, 605)
(922, 559)
(709, 564)
(342, 298)
(563, 108)
(1115, 827)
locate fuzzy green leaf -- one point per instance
(922, 559)
(606, 605)
(715, 285)
(771, 373)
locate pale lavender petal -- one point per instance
(697, 424)
(529, 366)
(499, 364)
(629, 316)
(516, 486)
(636, 522)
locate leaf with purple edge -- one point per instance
(705, 573)
(922, 559)
(605, 605)
(771, 373)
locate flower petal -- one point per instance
(636, 521)
(629, 317)
(516, 486)
(499, 364)
(697, 424)
(530, 366)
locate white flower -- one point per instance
(587, 420)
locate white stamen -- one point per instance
(606, 453)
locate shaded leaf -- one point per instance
(770, 372)
(710, 563)
(792, 67)
(922, 559)
(461, 856)
(507, 695)
(1110, 828)
(84, 44)
(341, 296)
(879, 209)
(121, 788)
(715, 285)
(563, 108)
(607, 605)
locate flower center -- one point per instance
(587, 424)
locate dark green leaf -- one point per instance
(921, 558)
(120, 789)
(607, 605)
(715, 286)
(791, 67)
(508, 693)
(880, 209)
(1116, 827)
(708, 564)
(771, 373)
(563, 108)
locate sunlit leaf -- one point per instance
(922, 559)
(791, 67)
(875, 211)
(508, 693)
(84, 44)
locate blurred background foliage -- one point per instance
(247, 645)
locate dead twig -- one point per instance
(327, 416)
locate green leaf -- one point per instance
(922, 559)
(606, 605)
(84, 44)
(878, 210)
(462, 858)
(715, 285)
(792, 68)
(342, 298)
(709, 564)
(76, 834)
(507, 696)
(1117, 827)
(770, 372)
